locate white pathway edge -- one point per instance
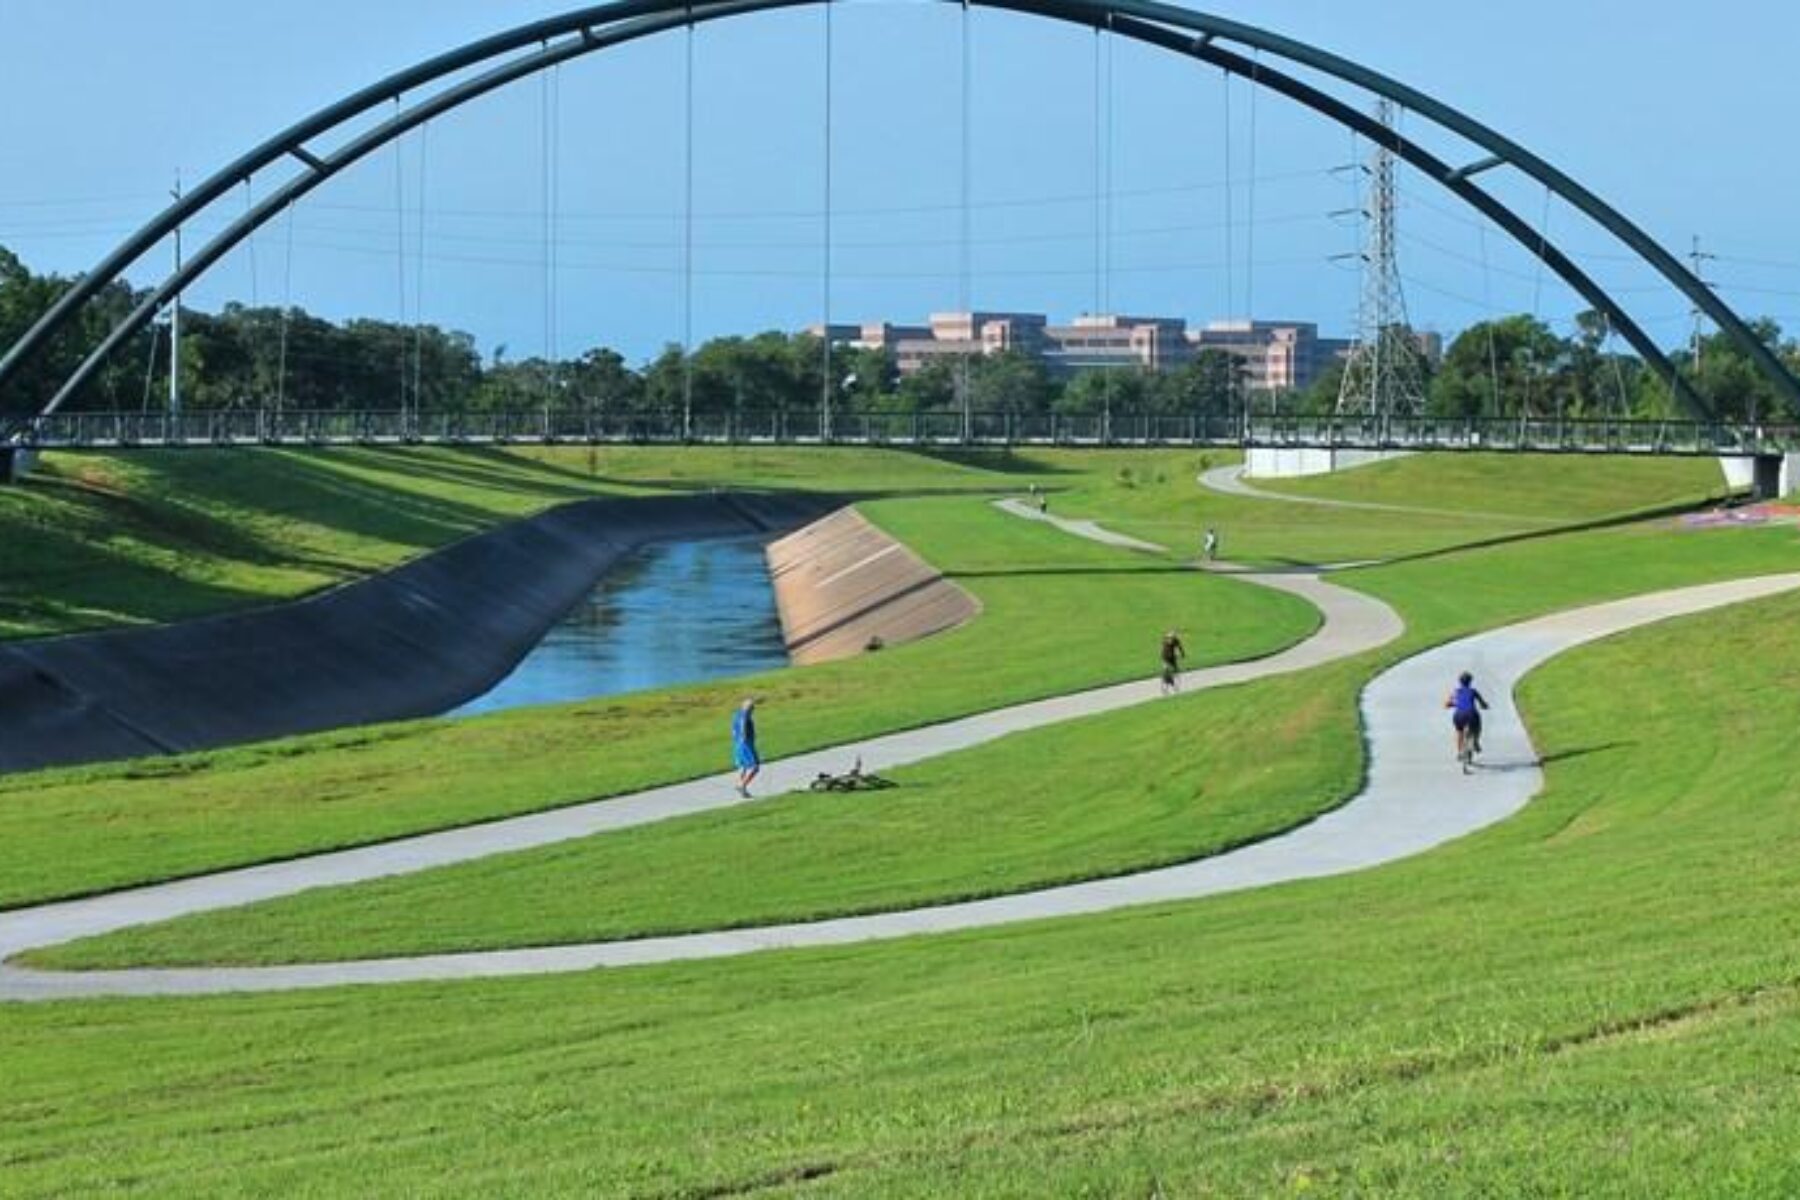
(1414, 800)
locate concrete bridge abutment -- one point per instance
(1764, 476)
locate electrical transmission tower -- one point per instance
(1385, 376)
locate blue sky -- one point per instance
(1678, 114)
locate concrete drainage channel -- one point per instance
(412, 642)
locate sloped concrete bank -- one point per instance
(411, 642)
(842, 585)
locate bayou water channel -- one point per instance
(673, 612)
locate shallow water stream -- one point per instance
(673, 612)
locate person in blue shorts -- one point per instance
(1465, 705)
(743, 745)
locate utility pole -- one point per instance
(1384, 377)
(1697, 259)
(175, 321)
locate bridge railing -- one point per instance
(375, 427)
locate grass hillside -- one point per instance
(1599, 996)
(1165, 783)
(1058, 614)
(1594, 998)
(95, 540)
(1444, 501)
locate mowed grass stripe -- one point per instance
(1586, 999)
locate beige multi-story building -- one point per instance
(1102, 341)
(1277, 355)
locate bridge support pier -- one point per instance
(16, 463)
(1764, 476)
(1770, 478)
(1287, 463)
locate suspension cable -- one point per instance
(287, 314)
(965, 300)
(1250, 216)
(400, 254)
(826, 388)
(418, 388)
(255, 291)
(1622, 406)
(1230, 230)
(250, 242)
(687, 237)
(1099, 174)
(1106, 298)
(547, 188)
(150, 367)
(1487, 300)
(1537, 296)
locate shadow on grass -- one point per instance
(1614, 521)
(1583, 752)
(1000, 462)
(1059, 572)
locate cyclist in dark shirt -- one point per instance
(1465, 705)
(1172, 654)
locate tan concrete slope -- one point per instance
(844, 586)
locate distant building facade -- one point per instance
(1278, 356)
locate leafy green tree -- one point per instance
(1207, 385)
(1509, 367)
(932, 388)
(1728, 380)
(1009, 382)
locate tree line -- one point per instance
(257, 357)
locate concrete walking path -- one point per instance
(1352, 623)
(1415, 799)
(1091, 530)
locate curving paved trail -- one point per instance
(1093, 531)
(1352, 624)
(1414, 799)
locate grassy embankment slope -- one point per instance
(1059, 614)
(1168, 782)
(1448, 500)
(1593, 998)
(95, 540)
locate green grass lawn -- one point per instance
(1170, 782)
(1058, 614)
(1160, 784)
(94, 540)
(1596, 997)
(1477, 498)
(1555, 488)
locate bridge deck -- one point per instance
(251, 428)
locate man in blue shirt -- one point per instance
(743, 745)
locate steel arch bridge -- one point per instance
(532, 48)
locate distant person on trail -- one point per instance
(1043, 503)
(743, 745)
(1465, 705)
(1172, 654)
(1209, 546)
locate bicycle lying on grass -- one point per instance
(854, 780)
